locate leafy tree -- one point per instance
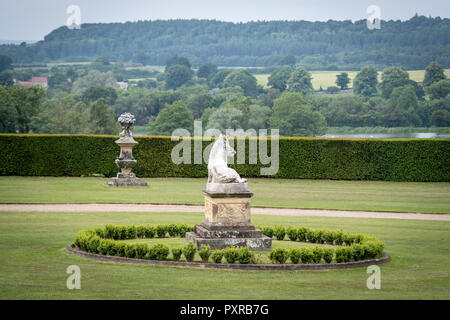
(101, 118)
(343, 110)
(171, 117)
(8, 111)
(101, 64)
(391, 78)
(147, 83)
(439, 89)
(342, 80)
(177, 60)
(268, 98)
(243, 79)
(300, 81)
(258, 117)
(278, 79)
(93, 78)
(61, 114)
(365, 82)
(59, 81)
(18, 105)
(92, 94)
(433, 73)
(198, 103)
(332, 90)
(295, 118)
(225, 118)
(177, 75)
(218, 78)
(440, 118)
(402, 108)
(207, 70)
(5, 63)
(288, 60)
(6, 78)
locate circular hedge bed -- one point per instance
(352, 249)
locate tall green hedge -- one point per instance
(308, 158)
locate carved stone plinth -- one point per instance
(126, 162)
(227, 220)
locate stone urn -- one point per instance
(126, 162)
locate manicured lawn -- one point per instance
(308, 194)
(33, 263)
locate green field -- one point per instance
(328, 78)
(421, 197)
(34, 262)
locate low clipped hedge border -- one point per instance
(307, 158)
(354, 247)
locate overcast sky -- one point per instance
(33, 19)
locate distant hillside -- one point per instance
(411, 44)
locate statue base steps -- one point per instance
(130, 181)
(227, 222)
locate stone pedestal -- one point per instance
(126, 162)
(227, 220)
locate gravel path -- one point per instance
(195, 208)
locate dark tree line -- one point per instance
(411, 44)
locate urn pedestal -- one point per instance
(126, 162)
(227, 220)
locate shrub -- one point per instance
(306, 255)
(176, 254)
(294, 255)
(149, 232)
(110, 232)
(158, 251)
(183, 228)
(161, 230)
(343, 254)
(279, 232)
(302, 233)
(140, 231)
(130, 232)
(328, 254)
(231, 255)
(121, 232)
(278, 255)
(357, 251)
(373, 249)
(320, 236)
(329, 237)
(141, 250)
(312, 235)
(245, 256)
(110, 246)
(130, 250)
(217, 256)
(338, 237)
(267, 231)
(173, 230)
(189, 251)
(292, 233)
(121, 249)
(317, 254)
(362, 159)
(204, 252)
(94, 243)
